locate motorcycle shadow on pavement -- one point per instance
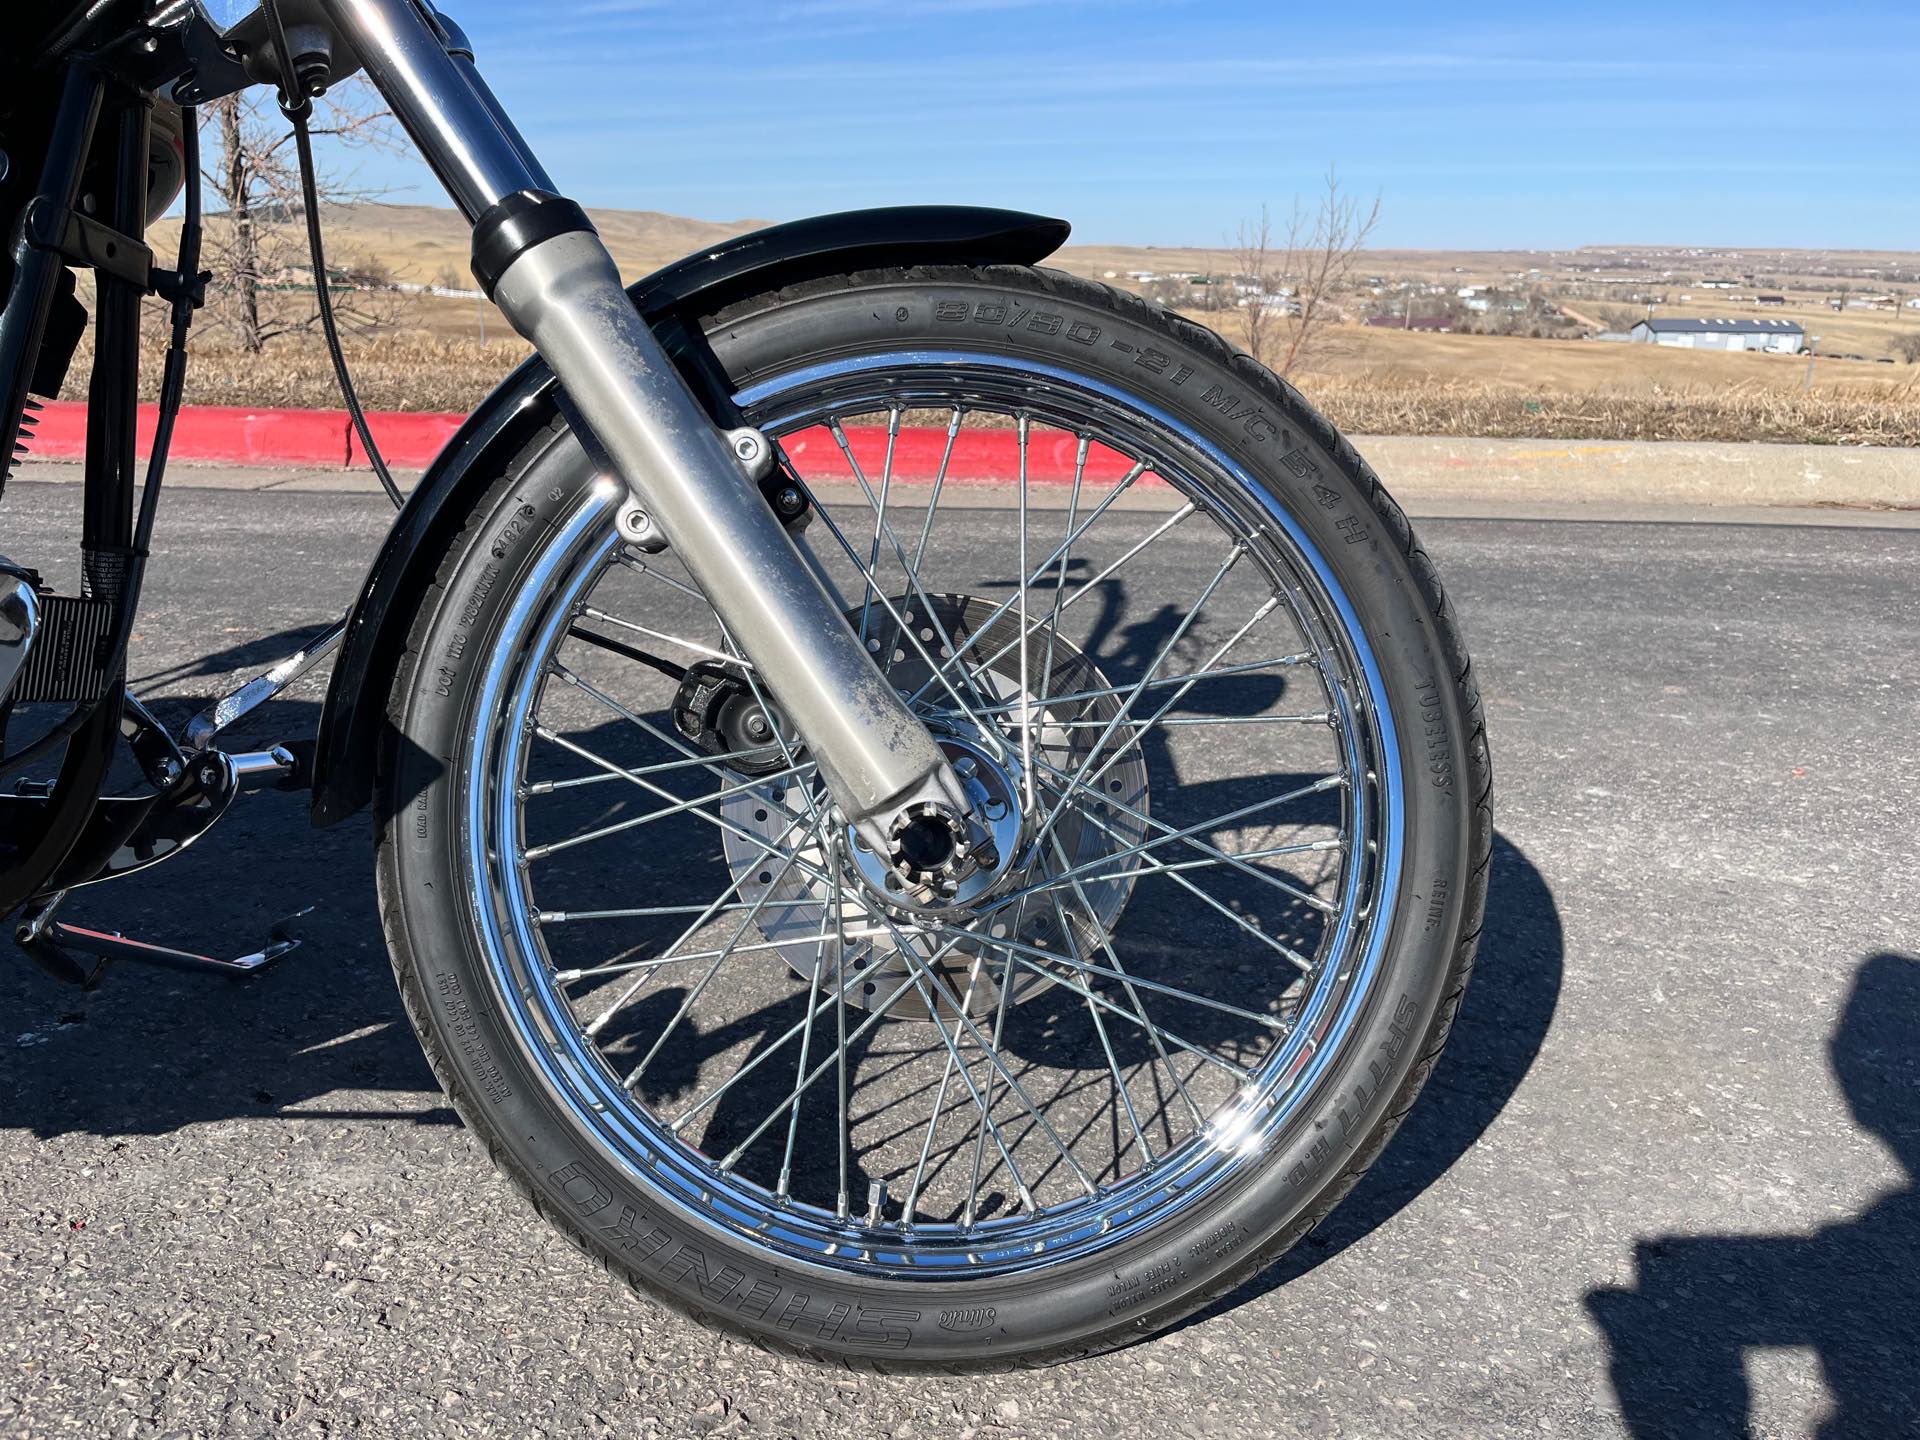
(319, 1035)
(322, 1035)
(1847, 1291)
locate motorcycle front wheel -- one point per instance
(1188, 654)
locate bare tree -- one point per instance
(1618, 317)
(1907, 347)
(1293, 284)
(1253, 262)
(255, 238)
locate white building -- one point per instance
(1781, 336)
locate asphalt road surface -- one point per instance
(1664, 1176)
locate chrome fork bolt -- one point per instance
(636, 527)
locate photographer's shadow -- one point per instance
(1849, 1291)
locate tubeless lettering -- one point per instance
(1128, 1291)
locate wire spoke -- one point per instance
(879, 510)
(593, 612)
(1142, 728)
(939, 1103)
(1121, 487)
(812, 872)
(873, 591)
(880, 1012)
(933, 500)
(640, 567)
(911, 571)
(993, 1058)
(699, 986)
(1086, 587)
(1035, 952)
(812, 992)
(548, 787)
(1059, 578)
(986, 1113)
(1127, 701)
(1161, 683)
(648, 968)
(1092, 917)
(1106, 1045)
(554, 847)
(1190, 836)
(1026, 684)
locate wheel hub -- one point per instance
(929, 872)
(970, 925)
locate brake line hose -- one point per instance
(298, 108)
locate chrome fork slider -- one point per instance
(539, 258)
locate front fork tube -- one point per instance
(565, 297)
(552, 277)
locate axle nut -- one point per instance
(928, 846)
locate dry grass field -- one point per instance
(443, 353)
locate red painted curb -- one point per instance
(237, 435)
(231, 434)
(979, 457)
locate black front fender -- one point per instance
(672, 299)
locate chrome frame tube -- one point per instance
(563, 294)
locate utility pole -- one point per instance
(1806, 382)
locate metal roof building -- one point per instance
(1784, 337)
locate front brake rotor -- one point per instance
(786, 855)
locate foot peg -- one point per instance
(80, 956)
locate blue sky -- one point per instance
(1163, 122)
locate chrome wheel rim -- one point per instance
(981, 1179)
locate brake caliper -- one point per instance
(718, 712)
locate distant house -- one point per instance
(1438, 324)
(1780, 336)
(1769, 299)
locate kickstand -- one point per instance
(80, 956)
